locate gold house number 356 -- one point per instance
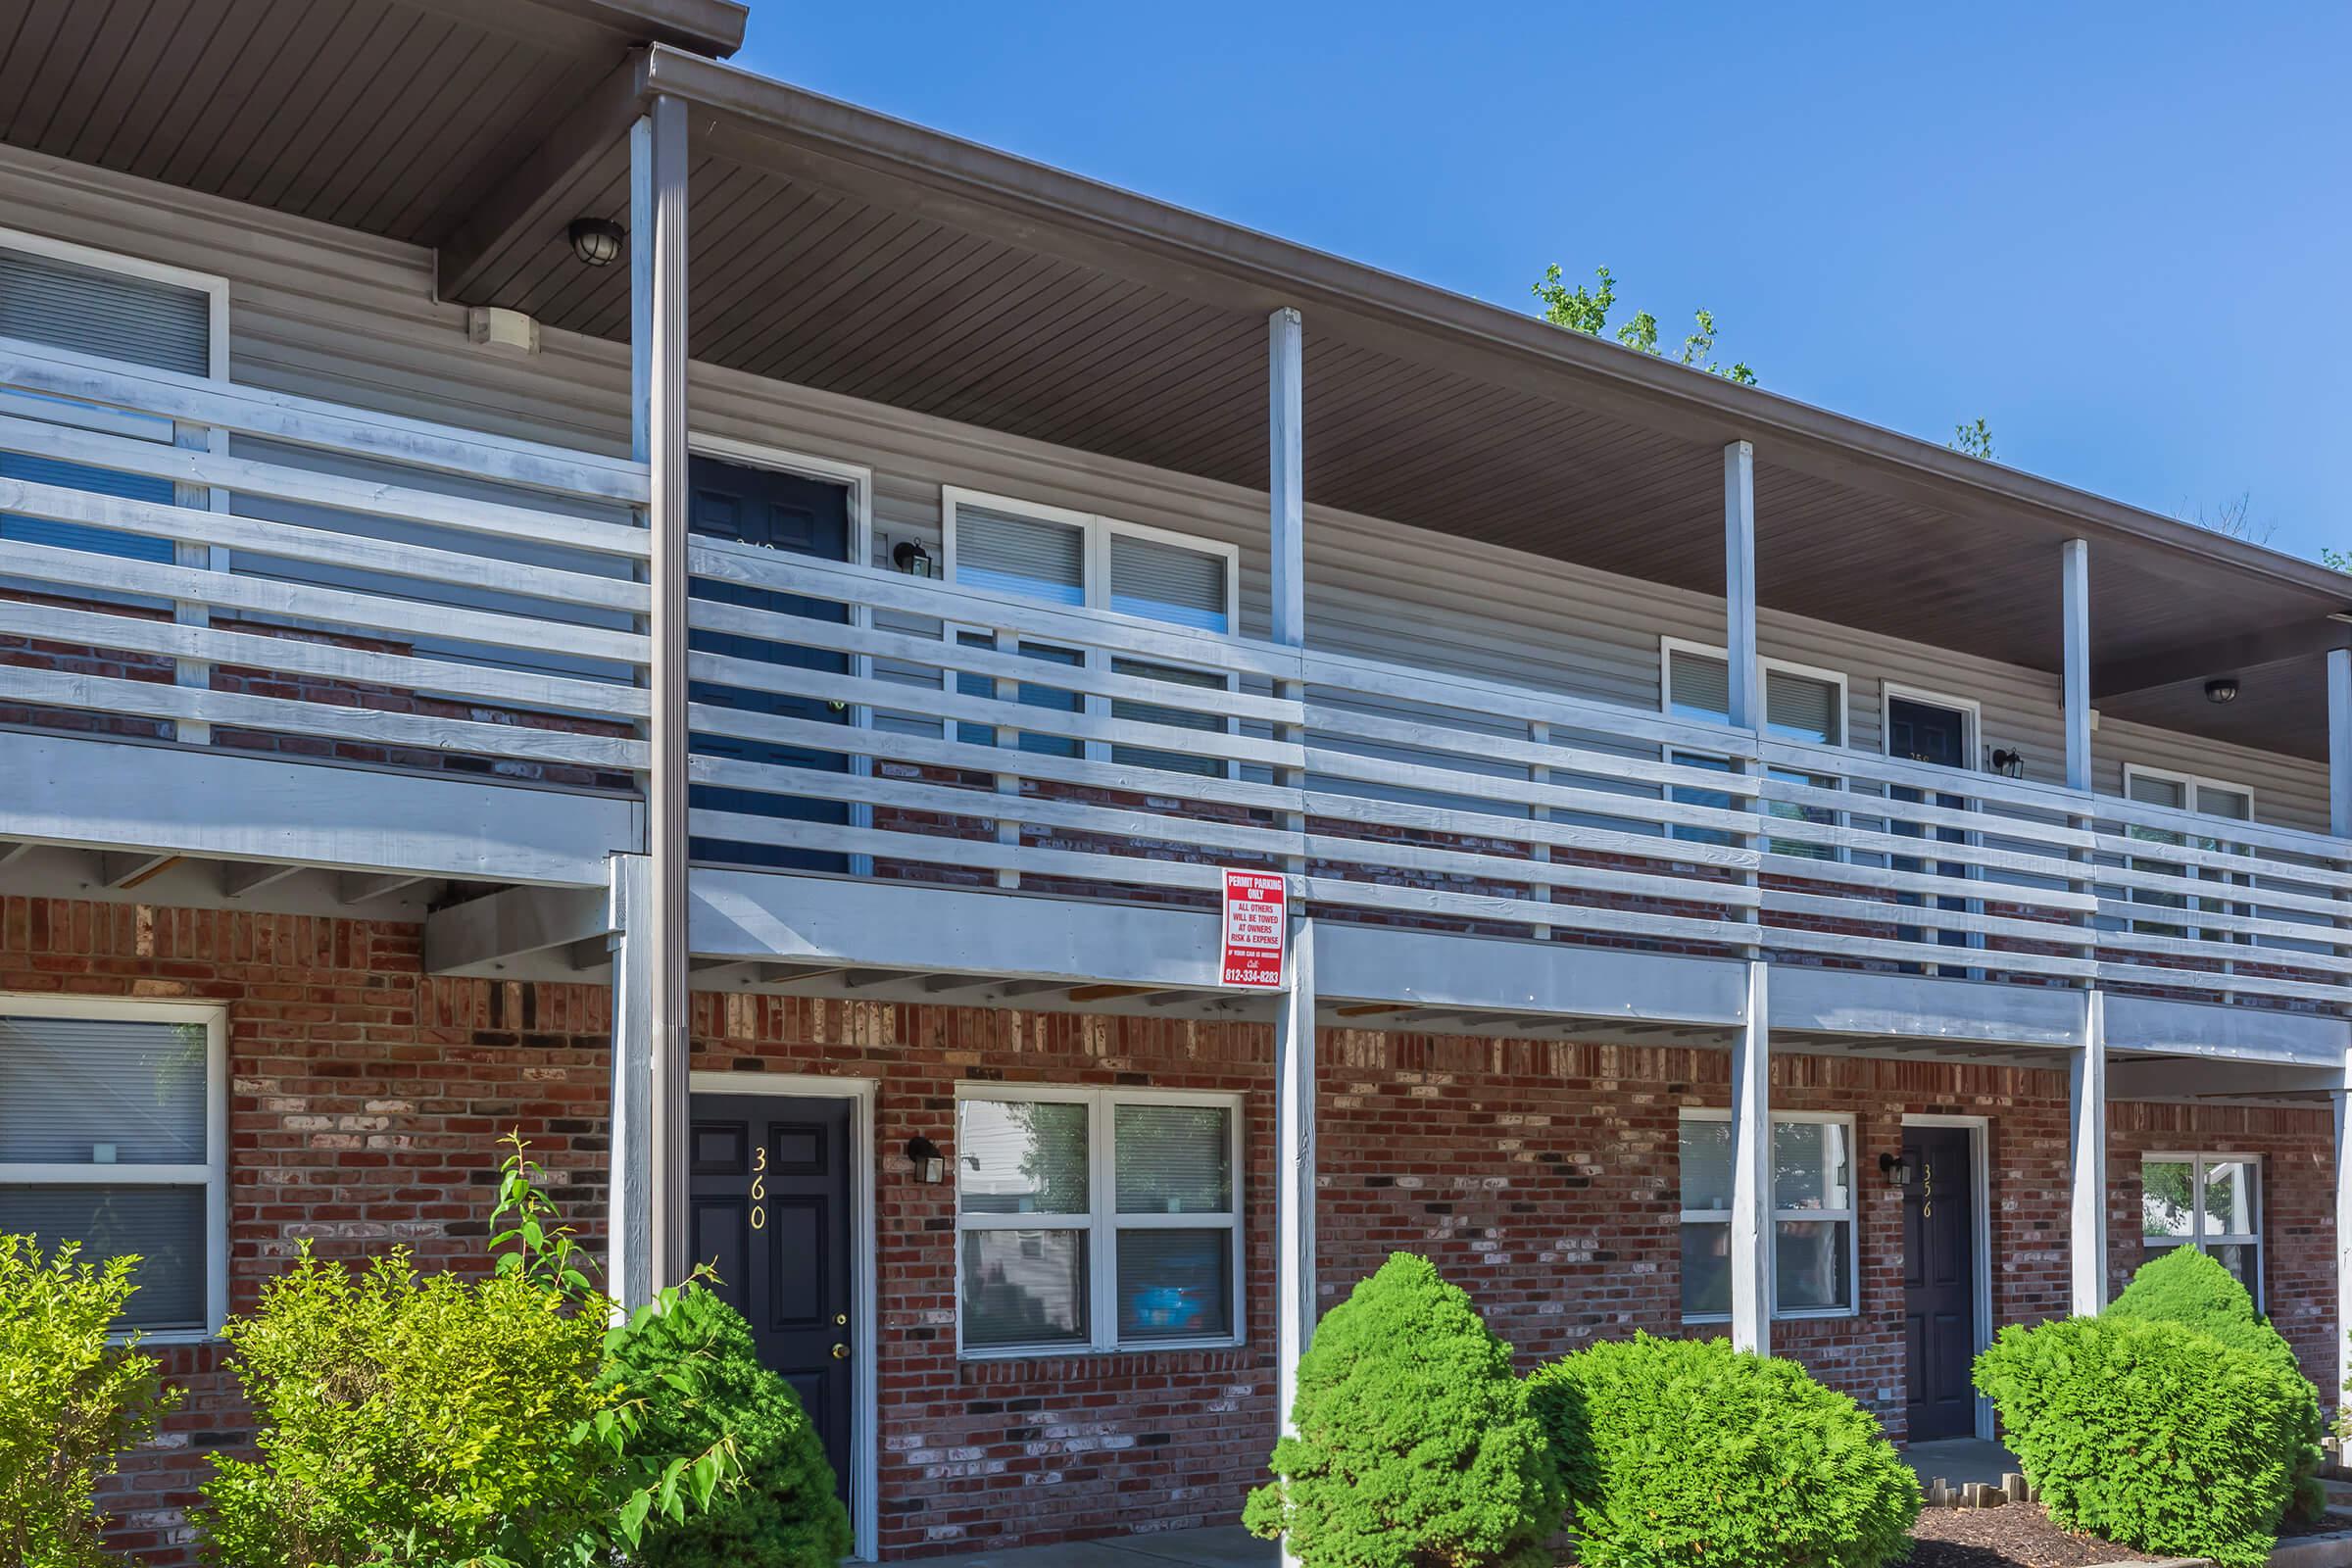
(758, 1190)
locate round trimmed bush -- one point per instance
(784, 1512)
(2184, 1285)
(1682, 1451)
(2150, 1433)
(1415, 1448)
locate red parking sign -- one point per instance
(1257, 927)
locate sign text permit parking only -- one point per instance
(1257, 927)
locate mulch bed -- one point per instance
(2017, 1534)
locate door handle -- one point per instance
(840, 1352)
(841, 1320)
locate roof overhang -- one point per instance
(846, 250)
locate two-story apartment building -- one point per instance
(547, 581)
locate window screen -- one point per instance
(1801, 708)
(1701, 685)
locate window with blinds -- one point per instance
(106, 1139)
(1004, 552)
(1797, 706)
(1168, 582)
(110, 314)
(1096, 1219)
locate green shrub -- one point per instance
(427, 1416)
(784, 1513)
(2149, 1432)
(1413, 1444)
(70, 1402)
(2184, 1285)
(1681, 1451)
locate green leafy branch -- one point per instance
(1587, 310)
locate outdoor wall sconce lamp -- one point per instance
(930, 1165)
(1897, 1169)
(2224, 690)
(2009, 764)
(597, 242)
(911, 559)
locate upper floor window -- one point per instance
(1071, 557)
(113, 1133)
(1096, 1219)
(113, 308)
(2199, 797)
(2212, 1203)
(1800, 703)
(1076, 558)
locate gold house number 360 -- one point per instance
(758, 1190)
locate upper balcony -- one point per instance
(220, 570)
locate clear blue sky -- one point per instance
(2123, 234)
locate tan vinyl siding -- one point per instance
(335, 315)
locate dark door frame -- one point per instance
(864, 1316)
(1980, 1244)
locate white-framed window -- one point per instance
(137, 313)
(2218, 798)
(114, 1133)
(2212, 1203)
(1800, 703)
(1061, 556)
(1096, 1219)
(1814, 1264)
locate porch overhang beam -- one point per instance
(2220, 655)
(527, 203)
(483, 936)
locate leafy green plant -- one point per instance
(1413, 1447)
(784, 1513)
(1676, 1452)
(1587, 310)
(2185, 1286)
(2149, 1432)
(466, 1423)
(70, 1401)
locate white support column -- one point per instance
(1740, 585)
(2342, 1098)
(2087, 1104)
(658, 375)
(629, 1269)
(1295, 1174)
(1751, 1168)
(1286, 475)
(2339, 741)
(2075, 587)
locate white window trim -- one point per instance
(1102, 1222)
(1668, 647)
(213, 1175)
(1971, 711)
(1097, 531)
(1096, 534)
(211, 285)
(1851, 1215)
(2198, 1163)
(2197, 881)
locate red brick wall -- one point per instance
(366, 1102)
(2297, 1195)
(365, 1105)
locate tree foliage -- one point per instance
(406, 1417)
(1587, 310)
(2150, 1433)
(1974, 438)
(1681, 1451)
(785, 1513)
(71, 1400)
(1414, 1446)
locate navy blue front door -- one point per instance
(1939, 1288)
(806, 517)
(1924, 732)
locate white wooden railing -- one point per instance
(962, 736)
(212, 563)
